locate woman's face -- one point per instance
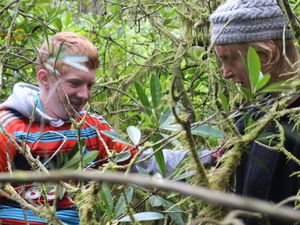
(232, 64)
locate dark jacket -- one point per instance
(266, 174)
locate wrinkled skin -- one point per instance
(232, 65)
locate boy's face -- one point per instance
(232, 64)
(68, 96)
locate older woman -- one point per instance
(260, 24)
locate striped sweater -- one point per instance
(47, 139)
(44, 140)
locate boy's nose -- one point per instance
(84, 93)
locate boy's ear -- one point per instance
(43, 78)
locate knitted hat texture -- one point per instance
(238, 21)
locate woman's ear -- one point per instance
(43, 78)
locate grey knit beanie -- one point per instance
(248, 21)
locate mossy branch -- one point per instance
(221, 199)
(294, 22)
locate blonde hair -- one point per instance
(273, 60)
(279, 63)
(67, 43)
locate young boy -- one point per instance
(37, 120)
(36, 128)
(260, 24)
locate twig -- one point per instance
(8, 36)
(286, 9)
(222, 199)
(8, 6)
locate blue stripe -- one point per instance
(6, 115)
(4, 112)
(52, 137)
(100, 118)
(13, 112)
(10, 120)
(68, 216)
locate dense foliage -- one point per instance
(158, 77)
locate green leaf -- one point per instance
(123, 156)
(197, 51)
(120, 207)
(253, 65)
(134, 134)
(167, 21)
(129, 194)
(174, 142)
(71, 60)
(166, 117)
(74, 58)
(224, 101)
(172, 127)
(68, 18)
(74, 162)
(156, 95)
(90, 157)
(75, 149)
(1, 73)
(143, 97)
(61, 159)
(262, 82)
(274, 87)
(207, 131)
(160, 159)
(114, 136)
(156, 201)
(60, 191)
(57, 23)
(184, 175)
(245, 92)
(45, 1)
(51, 69)
(267, 138)
(107, 199)
(143, 216)
(175, 215)
(248, 121)
(141, 170)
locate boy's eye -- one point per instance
(75, 84)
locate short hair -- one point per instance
(67, 43)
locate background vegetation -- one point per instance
(158, 74)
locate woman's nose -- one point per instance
(227, 72)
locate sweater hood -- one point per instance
(25, 100)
